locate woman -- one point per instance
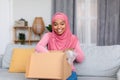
(61, 39)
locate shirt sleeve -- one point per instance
(42, 44)
(78, 51)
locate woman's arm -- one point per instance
(42, 44)
(79, 53)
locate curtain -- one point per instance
(67, 7)
(108, 22)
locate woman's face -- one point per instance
(59, 26)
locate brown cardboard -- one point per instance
(53, 65)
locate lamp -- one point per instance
(38, 26)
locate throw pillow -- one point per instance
(8, 53)
(19, 59)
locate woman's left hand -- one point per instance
(70, 55)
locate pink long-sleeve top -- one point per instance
(42, 44)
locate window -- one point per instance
(86, 20)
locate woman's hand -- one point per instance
(70, 55)
(68, 50)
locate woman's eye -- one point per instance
(55, 24)
(62, 23)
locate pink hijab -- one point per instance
(65, 41)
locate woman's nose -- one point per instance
(59, 26)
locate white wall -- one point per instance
(11, 10)
(29, 9)
(4, 24)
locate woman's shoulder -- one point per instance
(75, 37)
(47, 34)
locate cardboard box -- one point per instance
(53, 65)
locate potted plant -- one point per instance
(22, 38)
(49, 27)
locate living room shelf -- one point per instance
(30, 37)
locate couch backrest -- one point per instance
(1, 56)
(99, 61)
(8, 53)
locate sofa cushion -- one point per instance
(5, 75)
(19, 59)
(99, 61)
(95, 78)
(8, 53)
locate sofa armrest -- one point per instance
(118, 75)
(1, 56)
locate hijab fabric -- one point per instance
(65, 41)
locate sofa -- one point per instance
(100, 63)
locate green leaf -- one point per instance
(49, 27)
